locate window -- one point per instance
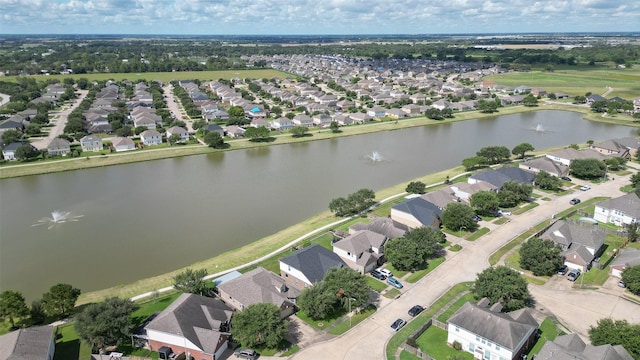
(487, 354)
(497, 347)
(472, 347)
(457, 329)
(478, 338)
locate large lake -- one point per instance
(144, 219)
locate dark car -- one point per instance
(417, 309)
(398, 324)
(378, 275)
(476, 218)
(574, 201)
(563, 270)
(565, 178)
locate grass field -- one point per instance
(625, 82)
(168, 76)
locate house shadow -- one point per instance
(67, 350)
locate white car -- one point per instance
(585, 187)
(385, 272)
(504, 212)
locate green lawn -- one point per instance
(455, 248)
(324, 323)
(477, 234)
(496, 256)
(524, 209)
(392, 293)
(419, 274)
(345, 325)
(376, 284)
(444, 317)
(434, 342)
(405, 355)
(69, 346)
(548, 331)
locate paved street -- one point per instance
(59, 120)
(369, 337)
(175, 107)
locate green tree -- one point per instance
(26, 152)
(495, 154)
(530, 100)
(485, 202)
(542, 257)
(616, 332)
(299, 131)
(355, 203)
(347, 283)
(457, 216)
(106, 323)
(334, 127)
(214, 140)
(487, 107)
(60, 299)
(191, 281)
(631, 278)
(503, 285)
(259, 324)
(12, 306)
(317, 302)
(140, 129)
(174, 138)
(257, 134)
(521, 149)
(198, 124)
(513, 193)
(588, 168)
(474, 162)
(11, 136)
(633, 231)
(36, 312)
(237, 111)
(124, 131)
(547, 181)
(416, 187)
(32, 129)
(412, 250)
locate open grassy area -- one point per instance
(419, 274)
(69, 346)
(477, 234)
(434, 342)
(324, 323)
(346, 325)
(376, 284)
(548, 332)
(444, 317)
(625, 82)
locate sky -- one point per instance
(315, 17)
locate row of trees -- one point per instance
(56, 303)
(354, 203)
(490, 155)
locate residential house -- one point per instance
(308, 266)
(342, 119)
(213, 128)
(360, 118)
(11, 125)
(194, 324)
(490, 334)
(580, 244)
(177, 130)
(9, 151)
(522, 89)
(32, 343)
(259, 122)
(620, 211)
(234, 131)
(122, 144)
(151, 137)
(565, 156)
(627, 257)
(322, 120)
(625, 147)
(58, 147)
(463, 191)
(362, 250)
(259, 286)
(593, 98)
(91, 143)
(539, 92)
(303, 120)
(395, 113)
(499, 177)
(377, 112)
(381, 225)
(572, 347)
(545, 164)
(282, 124)
(416, 212)
(441, 198)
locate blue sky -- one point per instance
(250, 17)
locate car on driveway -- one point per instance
(398, 324)
(563, 270)
(574, 201)
(385, 272)
(246, 354)
(504, 212)
(622, 284)
(585, 187)
(415, 310)
(565, 178)
(394, 282)
(476, 218)
(573, 275)
(378, 275)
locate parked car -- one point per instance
(563, 270)
(394, 282)
(573, 275)
(398, 324)
(622, 284)
(565, 178)
(585, 187)
(574, 201)
(476, 218)
(378, 275)
(504, 212)
(385, 272)
(415, 310)
(246, 354)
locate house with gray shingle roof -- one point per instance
(499, 177)
(581, 244)
(58, 147)
(572, 347)
(625, 147)
(362, 250)
(565, 156)
(416, 212)
(91, 143)
(9, 151)
(34, 343)
(193, 323)
(381, 225)
(488, 333)
(308, 266)
(620, 211)
(627, 257)
(259, 286)
(545, 164)
(151, 137)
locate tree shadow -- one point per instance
(264, 140)
(302, 135)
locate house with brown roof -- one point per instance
(195, 325)
(381, 225)
(487, 333)
(580, 244)
(620, 211)
(259, 286)
(34, 343)
(625, 147)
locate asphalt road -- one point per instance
(368, 339)
(59, 121)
